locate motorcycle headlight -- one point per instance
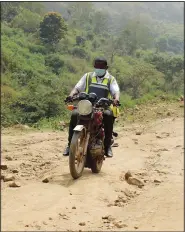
(84, 107)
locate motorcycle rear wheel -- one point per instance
(77, 158)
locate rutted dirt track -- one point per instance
(103, 201)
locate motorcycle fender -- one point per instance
(79, 128)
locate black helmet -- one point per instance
(100, 60)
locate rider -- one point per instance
(104, 85)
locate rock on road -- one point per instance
(104, 201)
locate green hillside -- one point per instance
(45, 53)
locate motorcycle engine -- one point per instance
(96, 148)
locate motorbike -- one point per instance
(87, 144)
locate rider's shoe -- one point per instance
(66, 152)
(108, 152)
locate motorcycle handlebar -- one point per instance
(105, 101)
(101, 101)
(71, 99)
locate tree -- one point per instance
(52, 28)
(177, 84)
(140, 74)
(162, 44)
(81, 14)
(99, 22)
(176, 44)
(112, 48)
(137, 35)
(9, 10)
(27, 20)
(171, 66)
(36, 7)
(129, 44)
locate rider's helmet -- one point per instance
(100, 63)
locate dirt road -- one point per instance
(102, 201)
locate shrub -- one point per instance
(80, 40)
(55, 62)
(27, 20)
(79, 52)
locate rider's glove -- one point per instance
(115, 102)
(68, 99)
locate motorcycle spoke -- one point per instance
(79, 156)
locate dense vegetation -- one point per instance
(47, 47)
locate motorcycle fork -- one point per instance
(87, 126)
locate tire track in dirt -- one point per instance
(96, 202)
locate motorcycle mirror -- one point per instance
(92, 97)
(83, 96)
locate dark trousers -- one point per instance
(108, 121)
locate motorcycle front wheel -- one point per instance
(77, 157)
(96, 165)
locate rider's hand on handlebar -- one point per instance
(68, 99)
(115, 102)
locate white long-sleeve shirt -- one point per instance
(114, 88)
